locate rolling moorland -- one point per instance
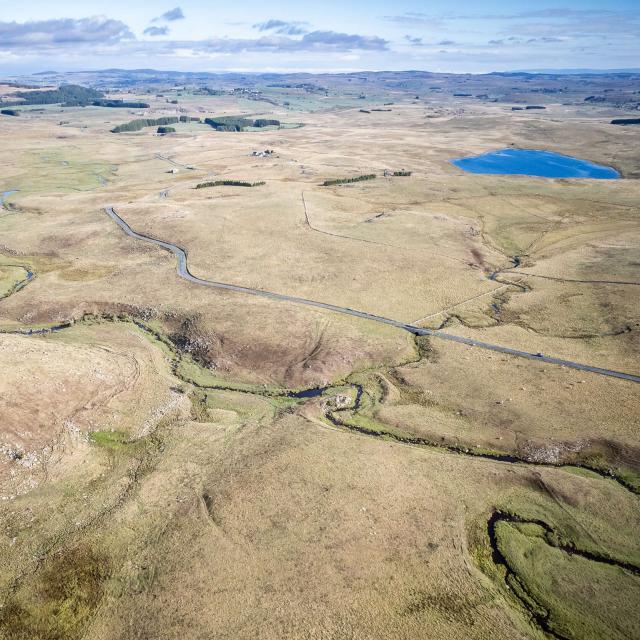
(273, 366)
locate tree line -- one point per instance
(625, 121)
(332, 183)
(238, 123)
(68, 94)
(229, 183)
(72, 95)
(137, 125)
(120, 104)
(368, 176)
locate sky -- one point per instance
(321, 36)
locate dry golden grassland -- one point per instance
(158, 480)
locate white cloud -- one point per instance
(171, 16)
(156, 31)
(294, 28)
(62, 32)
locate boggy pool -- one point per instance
(532, 162)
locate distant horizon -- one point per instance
(549, 71)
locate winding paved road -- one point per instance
(183, 272)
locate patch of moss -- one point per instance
(58, 602)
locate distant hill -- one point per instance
(576, 72)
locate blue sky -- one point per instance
(287, 35)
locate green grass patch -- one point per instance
(112, 440)
(371, 426)
(585, 600)
(598, 462)
(190, 371)
(12, 278)
(580, 471)
(55, 171)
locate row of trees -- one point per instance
(332, 183)
(228, 123)
(625, 121)
(222, 123)
(237, 123)
(120, 104)
(73, 95)
(161, 123)
(264, 122)
(229, 183)
(368, 176)
(137, 125)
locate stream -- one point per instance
(542, 620)
(183, 271)
(6, 194)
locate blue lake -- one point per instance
(531, 162)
